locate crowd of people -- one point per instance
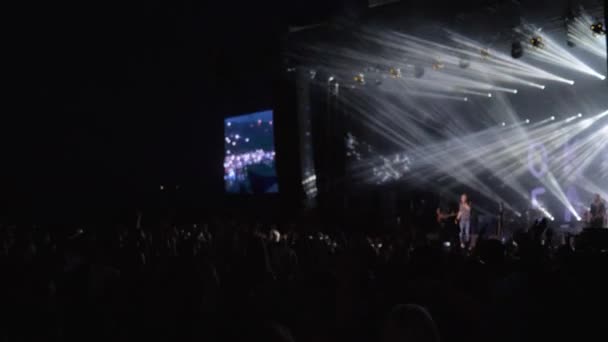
(236, 281)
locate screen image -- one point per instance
(249, 154)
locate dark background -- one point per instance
(108, 100)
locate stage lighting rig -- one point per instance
(360, 79)
(485, 53)
(598, 29)
(537, 42)
(437, 65)
(395, 72)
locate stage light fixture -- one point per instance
(527, 121)
(466, 99)
(572, 118)
(489, 94)
(553, 118)
(360, 79)
(580, 115)
(598, 29)
(485, 53)
(544, 211)
(537, 42)
(503, 124)
(395, 72)
(437, 65)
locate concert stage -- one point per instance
(505, 104)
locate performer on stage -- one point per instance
(445, 220)
(597, 212)
(464, 220)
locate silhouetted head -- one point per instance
(408, 323)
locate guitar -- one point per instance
(441, 217)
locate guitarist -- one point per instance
(597, 212)
(445, 217)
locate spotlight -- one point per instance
(360, 79)
(330, 79)
(537, 42)
(466, 99)
(517, 51)
(542, 87)
(438, 65)
(489, 94)
(571, 82)
(503, 124)
(598, 29)
(552, 118)
(545, 212)
(572, 118)
(395, 72)
(580, 115)
(485, 53)
(527, 121)
(514, 91)
(602, 77)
